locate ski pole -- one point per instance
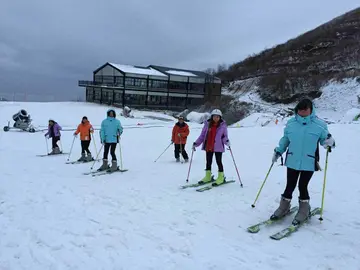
(120, 153)
(263, 183)
(164, 151)
(71, 148)
(94, 142)
(61, 146)
(191, 159)
(181, 151)
(324, 184)
(237, 171)
(47, 146)
(97, 156)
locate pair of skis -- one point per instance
(81, 162)
(209, 185)
(286, 231)
(49, 154)
(106, 172)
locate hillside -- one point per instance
(302, 65)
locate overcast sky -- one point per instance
(46, 46)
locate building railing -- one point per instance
(94, 83)
(84, 83)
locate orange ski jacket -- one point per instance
(85, 131)
(183, 130)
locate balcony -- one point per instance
(103, 84)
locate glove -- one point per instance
(329, 142)
(75, 135)
(194, 147)
(228, 144)
(275, 156)
(46, 136)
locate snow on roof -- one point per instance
(136, 70)
(181, 73)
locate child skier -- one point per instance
(301, 137)
(214, 136)
(180, 133)
(54, 133)
(110, 133)
(85, 129)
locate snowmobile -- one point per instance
(22, 121)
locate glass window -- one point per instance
(129, 81)
(178, 85)
(157, 84)
(131, 99)
(196, 87)
(119, 81)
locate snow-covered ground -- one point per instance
(54, 217)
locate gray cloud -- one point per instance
(46, 46)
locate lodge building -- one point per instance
(154, 87)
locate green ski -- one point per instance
(211, 186)
(293, 228)
(256, 228)
(197, 184)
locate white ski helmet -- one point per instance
(216, 112)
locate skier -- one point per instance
(85, 129)
(301, 136)
(180, 133)
(214, 136)
(54, 133)
(126, 111)
(110, 133)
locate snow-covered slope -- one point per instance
(337, 102)
(54, 217)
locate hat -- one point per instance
(216, 112)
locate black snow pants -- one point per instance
(111, 147)
(183, 152)
(54, 141)
(85, 147)
(293, 178)
(218, 157)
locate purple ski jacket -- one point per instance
(57, 129)
(221, 137)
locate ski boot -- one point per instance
(104, 166)
(177, 159)
(303, 212)
(283, 208)
(82, 157)
(55, 151)
(186, 160)
(219, 180)
(114, 166)
(89, 158)
(207, 179)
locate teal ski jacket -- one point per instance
(301, 139)
(111, 129)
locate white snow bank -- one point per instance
(351, 115)
(198, 117)
(261, 119)
(337, 99)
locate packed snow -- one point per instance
(54, 217)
